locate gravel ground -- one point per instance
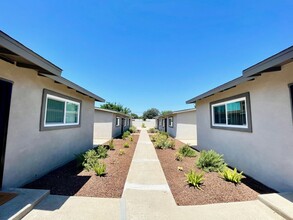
(214, 188)
(70, 181)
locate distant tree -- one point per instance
(163, 113)
(135, 116)
(116, 107)
(150, 113)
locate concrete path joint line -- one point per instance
(158, 187)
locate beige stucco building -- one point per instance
(110, 124)
(249, 120)
(45, 119)
(181, 125)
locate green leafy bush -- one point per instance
(161, 141)
(211, 161)
(132, 129)
(111, 145)
(187, 151)
(143, 125)
(121, 152)
(102, 152)
(178, 156)
(125, 135)
(194, 179)
(126, 145)
(131, 138)
(79, 158)
(90, 159)
(153, 130)
(164, 133)
(232, 175)
(100, 168)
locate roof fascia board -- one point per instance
(21, 50)
(72, 85)
(273, 61)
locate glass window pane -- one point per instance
(219, 114)
(55, 111)
(71, 113)
(236, 113)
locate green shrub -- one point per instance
(153, 130)
(178, 156)
(169, 143)
(131, 138)
(143, 125)
(161, 141)
(102, 152)
(232, 175)
(126, 145)
(79, 158)
(211, 161)
(90, 159)
(164, 133)
(121, 152)
(194, 179)
(132, 129)
(111, 145)
(187, 151)
(100, 168)
(125, 135)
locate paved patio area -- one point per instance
(146, 196)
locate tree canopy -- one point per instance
(150, 113)
(116, 107)
(167, 112)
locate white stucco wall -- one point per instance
(266, 153)
(186, 126)
(31, 153)
(103, 125)
(149, 123)
(116, 130)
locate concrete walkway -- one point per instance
(146, 196)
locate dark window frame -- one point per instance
(43, 110)
(248, 110)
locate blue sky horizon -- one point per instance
(145, 54)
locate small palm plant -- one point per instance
(194, 179)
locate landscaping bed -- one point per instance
(214, 188)
(70, 180)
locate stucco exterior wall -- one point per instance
(117, 129)
(149, 123)
(266, 153)
(31, 153)
(103, 125)
(186, 126)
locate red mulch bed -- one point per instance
(70, 181)
(214, 189)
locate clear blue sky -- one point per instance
(146, 54)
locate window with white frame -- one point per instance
(170, 121)
(163, 122)
(232, 113)
(117, 122)
(125, 122)
(59, 111)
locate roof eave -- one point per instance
(21, 50)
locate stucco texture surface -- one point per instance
(266, 152)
